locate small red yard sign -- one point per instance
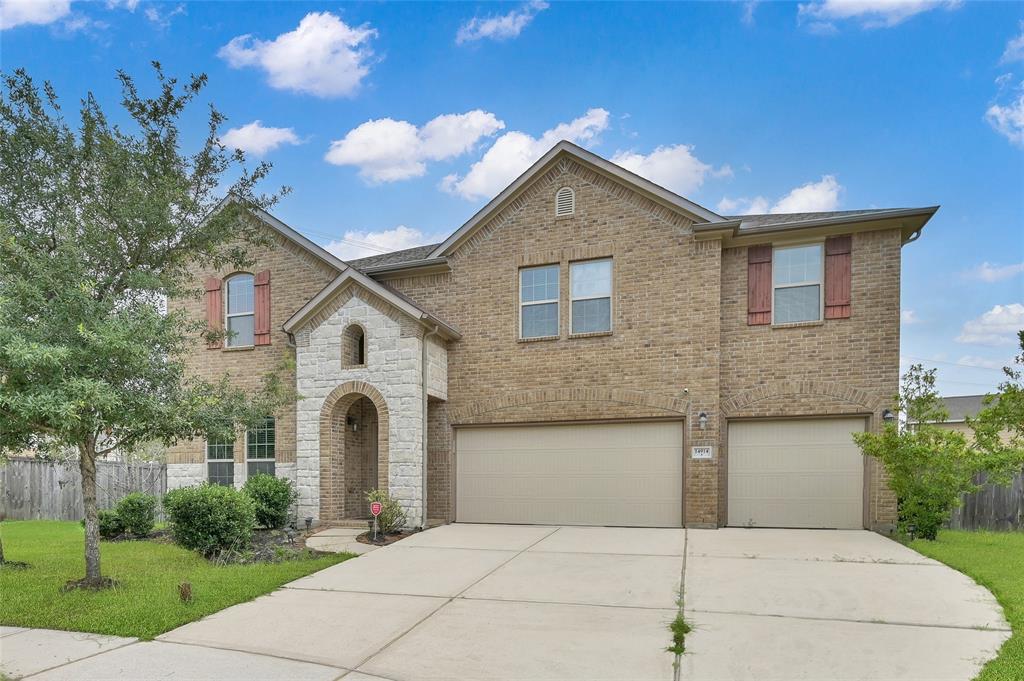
(375, 508)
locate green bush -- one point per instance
(392, 515)
(273, 497)
(137, 512)
(211, 519)
(111, 526)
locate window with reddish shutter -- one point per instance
(759, 284)
(213, 308)
(262, 308)
(838, 271)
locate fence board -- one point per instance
(31, 489)
(992, 507)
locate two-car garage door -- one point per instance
(796, 473)
(627, 474)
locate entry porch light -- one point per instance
(888, 416)
(702, 420)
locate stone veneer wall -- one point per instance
(393, 367)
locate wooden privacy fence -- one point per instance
(992, 508)
(31, 489)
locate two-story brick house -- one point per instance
(589, 348)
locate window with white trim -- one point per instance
(240, 318)
(590, 288)
(259, 448)
(538, 301)
(797, 274)
(220, 460)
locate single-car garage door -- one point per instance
(573, 474)
(796, 473)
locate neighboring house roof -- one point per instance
(963, 405)
(352, 275)
(646, 187)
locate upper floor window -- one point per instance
(353, 346)
(240, 311)
(259, 445)
(220, 460)
(538, 301)
(565, 202)
(797, 274)
(590, 285)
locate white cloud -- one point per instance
(981, 362)
(18, 12)
(324, 56)
(998, 326)
(909, 317)
(808, 198)
(1008, 120)
(1014, 48)
(129, 5)
(162, 19)
(502, 26)
(819, 17)
(357, 244)
(749, 8)
(254, 138)
(811, 197)
(386, 150)
(990, 273)
(515, 151)
(674, 167)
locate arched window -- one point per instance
(240, 307)
(353, 347)
(565, 202)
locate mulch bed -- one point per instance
(383, 539)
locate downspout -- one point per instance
(423, 367)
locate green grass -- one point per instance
(145, 603)
(996, 561)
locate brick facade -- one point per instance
(680, 343)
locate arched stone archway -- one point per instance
(345, 471)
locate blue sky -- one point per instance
(394, 123)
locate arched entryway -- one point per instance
(353, 450)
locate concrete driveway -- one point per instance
(515, 602)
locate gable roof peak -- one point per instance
(565, 148)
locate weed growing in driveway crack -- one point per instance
(679, 628)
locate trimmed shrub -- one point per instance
(392, 515)
(211, 519)
(273, 497)
(137, 512)
(111, 526)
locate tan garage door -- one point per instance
(580, 474)
(796, 473)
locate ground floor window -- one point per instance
(220, 461)
(260, 442)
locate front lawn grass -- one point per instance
(996, 561)
(145, 603)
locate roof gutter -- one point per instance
(403, 266)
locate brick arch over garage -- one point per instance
(808, 397)
(332, 447)
(567, 404)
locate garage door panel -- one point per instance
(603, 474)
(796, 473)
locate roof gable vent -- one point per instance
(565, 202)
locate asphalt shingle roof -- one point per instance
(393, 258)
(751, 221)
(963, 405)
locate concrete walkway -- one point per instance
(524, 602)
(339, 540)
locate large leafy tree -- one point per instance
(100, 224)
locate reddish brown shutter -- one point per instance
(214, 311)
(837, 276)
(759, 284)
(261, 320)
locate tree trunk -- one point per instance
(87, 465)
(1, 551)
